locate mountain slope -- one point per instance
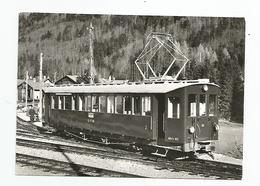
(215, 47)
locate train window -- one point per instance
(95, 103)
(74, 102)
(88, 103)
(173, 107)
(76, 98)
(61, 102)
(110, 104)
(85, 103)
(127, 105)
(212, 105)
(202, 105)
(146, 106)
(102, 104)
(43, 102)
(119, 105)
(68, 101)
(136, 105)
(81, 100)
(192, 105)
(56, 102)
(52, 102)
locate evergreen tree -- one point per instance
(226, 82)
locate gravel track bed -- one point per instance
(66, 168)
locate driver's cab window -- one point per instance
(212, 105)
(202, 105)
(173, 107)
(192, 105)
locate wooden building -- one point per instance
(69, 80)
(33, 92)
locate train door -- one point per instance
(174, 117)
(203, 125)
(197, 116)
(191, 114)
(161, 111)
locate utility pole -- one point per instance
(91, 52)
(26, 89)
(147, 71)
(55, 77)
(40, 101)
(184, 73)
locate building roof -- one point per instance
(34, 85)
(19, 82)
(162, 87)
(73, 78)
(47, 80)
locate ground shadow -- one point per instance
(74, 166)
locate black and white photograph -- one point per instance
(130, 96)
(112, 92)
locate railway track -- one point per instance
(26, 126)
(66, 168)
(23, 136)
(82, 150)
(195, 167)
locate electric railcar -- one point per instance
(180, 115)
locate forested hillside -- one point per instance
(215, 47)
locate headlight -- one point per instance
(216, 127)
(191, 130)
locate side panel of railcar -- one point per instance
(128, 125)
(138, 126)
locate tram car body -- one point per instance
(181, 115)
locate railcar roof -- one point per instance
(155, 87)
